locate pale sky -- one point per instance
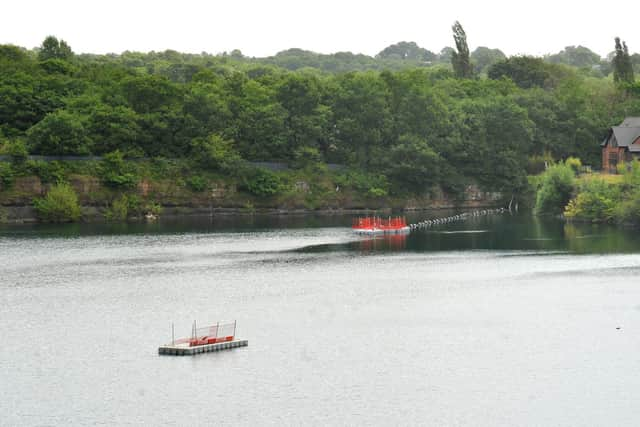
(264, 27)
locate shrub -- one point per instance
(373, 185)
(197, 183)
(262, 182)
(629, 210)
(60, 204)
(49, 172)
(596, 201)
(119, 209)
(305, 157)
(217, 153)
(17, 150)
(554, 191)
(127, 206)
(115, 172)
(6, 175)
(574, 163)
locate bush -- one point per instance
(60, 204)
(49, 172)
(574, 163)
(6, 175)
(115, 172)
(262, 182)
(305, 157)
(127, 206)
(372, 185)
(628, 211)
(17, 150)
(596, 201)
(217, 153)
(554, 191)
(197, 183)
(119, 209)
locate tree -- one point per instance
(483, 58)
(414, 165)
(577, 56)
(525, 71)
(406, 51)
(51, 48)
(59, 133)
(460, 59)
(622, 67)
(554, 189)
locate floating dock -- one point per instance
(185, 350)
(221, 336)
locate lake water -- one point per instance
(496, 321)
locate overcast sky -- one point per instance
(264, 27)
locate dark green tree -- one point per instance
(525, 71)
(59, 133)
(406, 51)
(52, 48)
(483, 58)
(622, 67)
(577, 56)
(460, 59)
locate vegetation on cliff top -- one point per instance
(424, 127)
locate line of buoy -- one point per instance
(455, 218)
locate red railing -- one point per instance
(220, 332)
(371, 222)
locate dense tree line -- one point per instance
(419, 127)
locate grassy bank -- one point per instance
(592, 197)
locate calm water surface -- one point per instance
(496, 321)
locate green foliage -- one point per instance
(17, 149)
(462, 67)
(628, 209)
(596, 201)
(60, 204)
(216, 153)
(119, 209)
(367, 184)
(214, 113)
(406, 51)
(197, 183)
(48, 172)
(414, 165)
(554, 189)
(574, 163)
(622, 67)
(117, 173)
(483, 57)
(59, 133)
(128, 206)
(6, 175)
(537, 163)
(305, 157)
(52, 48)
(262, 182)
(525, 71)
(577, 56)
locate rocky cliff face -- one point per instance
(220, 198)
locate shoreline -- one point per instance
(26, 214)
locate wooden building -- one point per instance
(622, 144)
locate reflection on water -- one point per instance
(497, 320)
(392, 242)
(493, 232)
